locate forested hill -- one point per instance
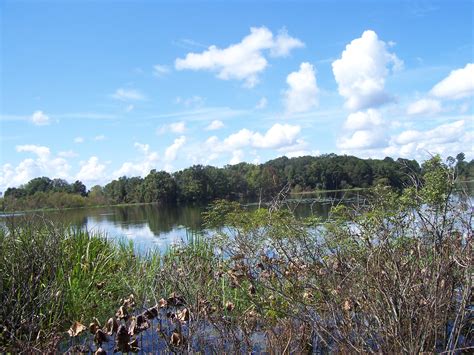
(205, 183)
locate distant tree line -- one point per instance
(241, 181)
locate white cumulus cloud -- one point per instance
(92, 171)
(43, 163)
(303, 90)
(243, 60)
(284, 44)
(40, 119)
(424, 107)
(237, 157)
(41, 151)
(361, 139)
(142, 166)
(172, 151)
(362, 69)
(68, 154)
(215, 125)
(279, 135)
(457, 85)
(363, 130)
(445, 139)
(363, 120)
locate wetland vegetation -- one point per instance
(391, 275)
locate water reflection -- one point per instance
(158, 226)
(149, 226)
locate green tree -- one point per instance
(79, 188)
(159, 187)
(40, 184)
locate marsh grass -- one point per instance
(52, 275)
(391, 276)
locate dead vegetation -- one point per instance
(391, 276)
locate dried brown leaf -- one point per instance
(162, 303)
(121, 313)
(138, 325)
(111, 326)
(93, 327)
(177, 339)
(129, 302)
(76, 329)
(183, 315)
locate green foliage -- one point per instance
(202, 184)
(438, 183)
(158, 187)
(381, 271)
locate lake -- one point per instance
(158, 226)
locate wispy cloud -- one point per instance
(202, 114)
(128, 95)
(86, 115)
(193, 101)
(70, 115)
(262, 103)
(189, 43)
(160, 70)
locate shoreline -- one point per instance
(292, 193)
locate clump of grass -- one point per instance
(52, 275)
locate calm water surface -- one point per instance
(158, 226)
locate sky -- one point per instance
(95, 90)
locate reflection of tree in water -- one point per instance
(164, 218)
(62, 218)
(74, 218)
(159, 218)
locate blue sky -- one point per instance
(94, 90)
